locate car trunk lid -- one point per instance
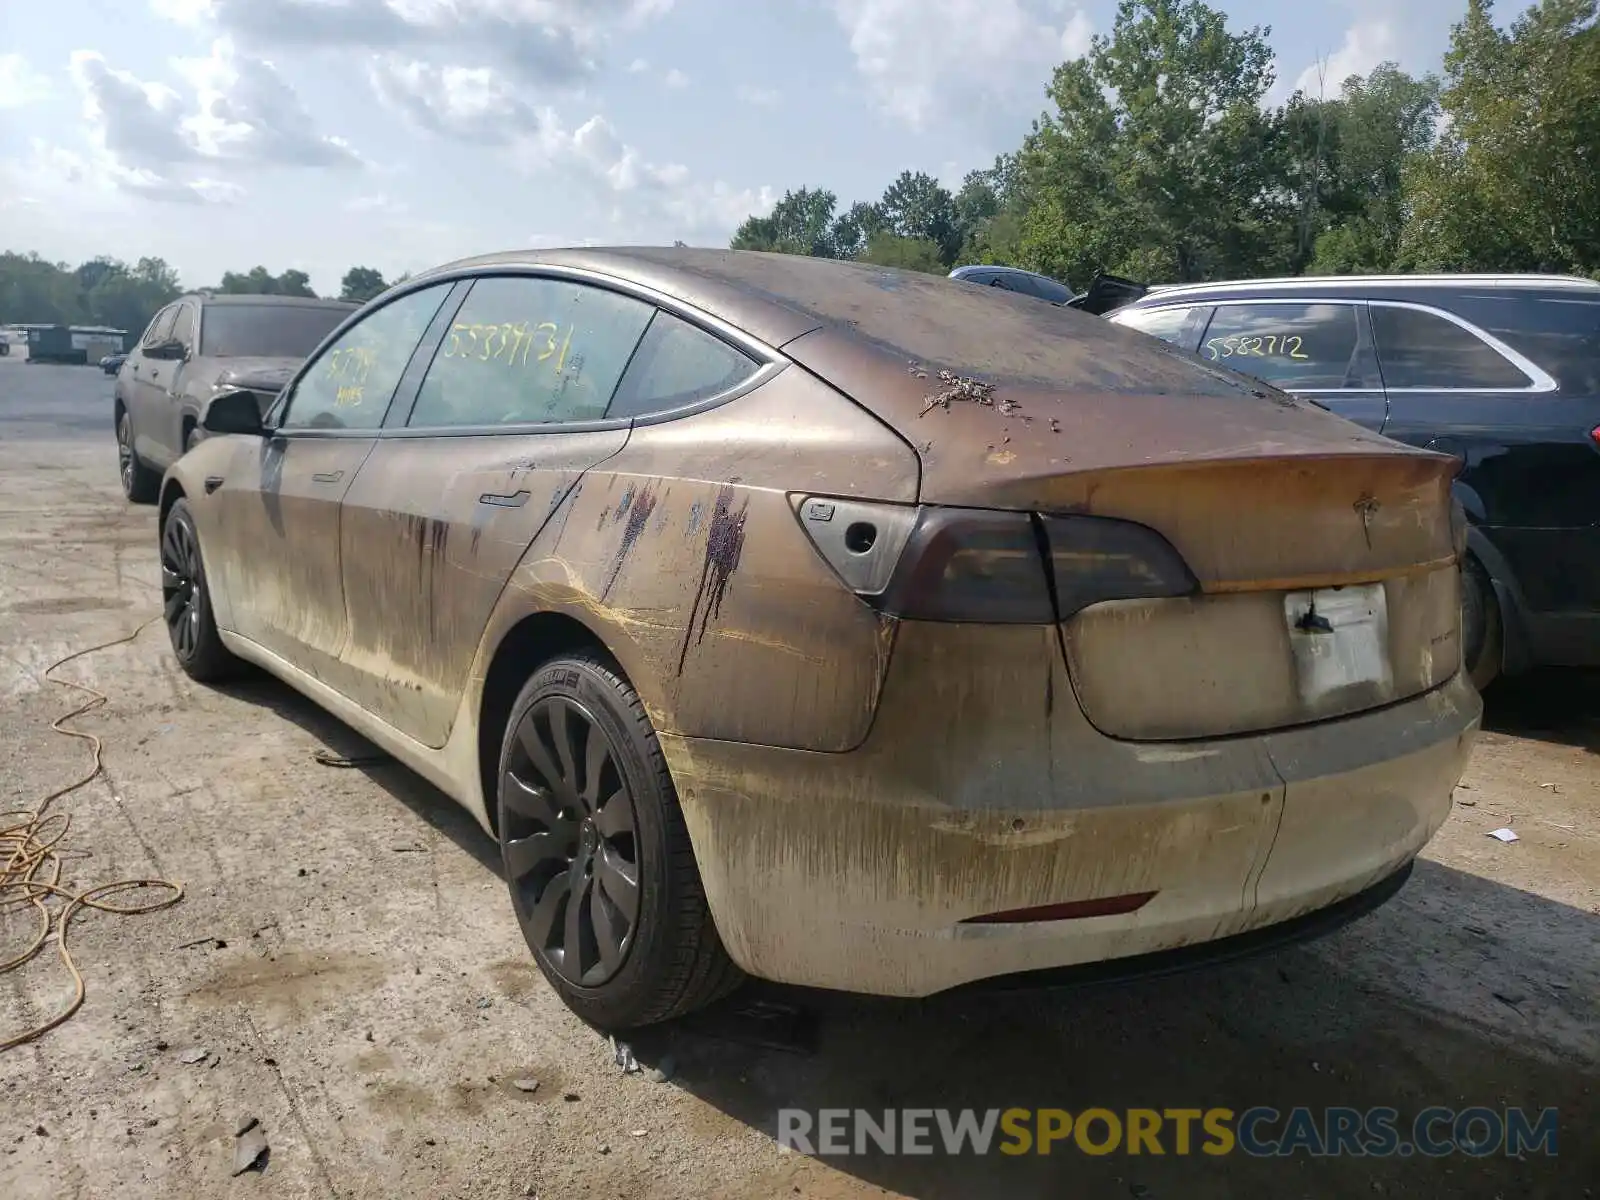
(1272, 503)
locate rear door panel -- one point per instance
(505, 418)
(1531, 479)
(430, 532)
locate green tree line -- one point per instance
(106, 291)
(1158, 158)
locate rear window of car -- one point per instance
(1042, 287)
(1164, 323)
(1294, 346)
(675, 365)
(266, 330)
(1418, 349)
(1559, 334)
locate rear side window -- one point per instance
(1309, 346)
(678, 364)
(1164, 323)
(1419, 349)
(1561, 335)
(526, 351)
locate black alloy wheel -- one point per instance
(571, 844)
(185, 602)
(597, 854)
(139, 482)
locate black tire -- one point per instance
(1482, 626)
(560, 831)
(140, 484)
(186, 601)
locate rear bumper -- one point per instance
(861, 871)
(1293, 932)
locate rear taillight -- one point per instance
(1594, 434)
(1094, 559)
(982, 565)
(966, 564)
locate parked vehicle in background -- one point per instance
(112, 363)
(1501, 371)
(193, 348)
(1015, 279)
(1104, 293)
(686, 572)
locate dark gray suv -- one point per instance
(195, 347)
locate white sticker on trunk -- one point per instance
(1340, 638)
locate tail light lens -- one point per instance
(1094, 559)
(987, 566)
(970, 565)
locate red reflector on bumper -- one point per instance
(1108, 906)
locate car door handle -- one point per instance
(328, 476)
(213, 482)
(504, 500)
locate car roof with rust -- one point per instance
(926, 321)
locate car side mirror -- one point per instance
(233, 411)
(172, 349)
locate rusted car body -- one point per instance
(976, 635)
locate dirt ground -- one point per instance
(346, 956)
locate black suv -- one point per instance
(1502, 371)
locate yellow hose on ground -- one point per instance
(32, 851)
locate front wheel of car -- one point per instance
(186, 601)
(1482, 627)
(139, 483)
(596, 853)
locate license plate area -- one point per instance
(1340, 639)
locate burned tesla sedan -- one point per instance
(837, 625)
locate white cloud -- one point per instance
(1365, 46)
(136, 124)
(923, 59)
(184, 12)
(759, 96)
(543, 41)
(376, 204)
(247, 111)
(469, 103)
(641, 193)
(20, 84)
(149, 142)
(675, 79)
(638, 66)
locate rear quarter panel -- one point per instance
(684, 556)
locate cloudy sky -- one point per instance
(317, 134)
